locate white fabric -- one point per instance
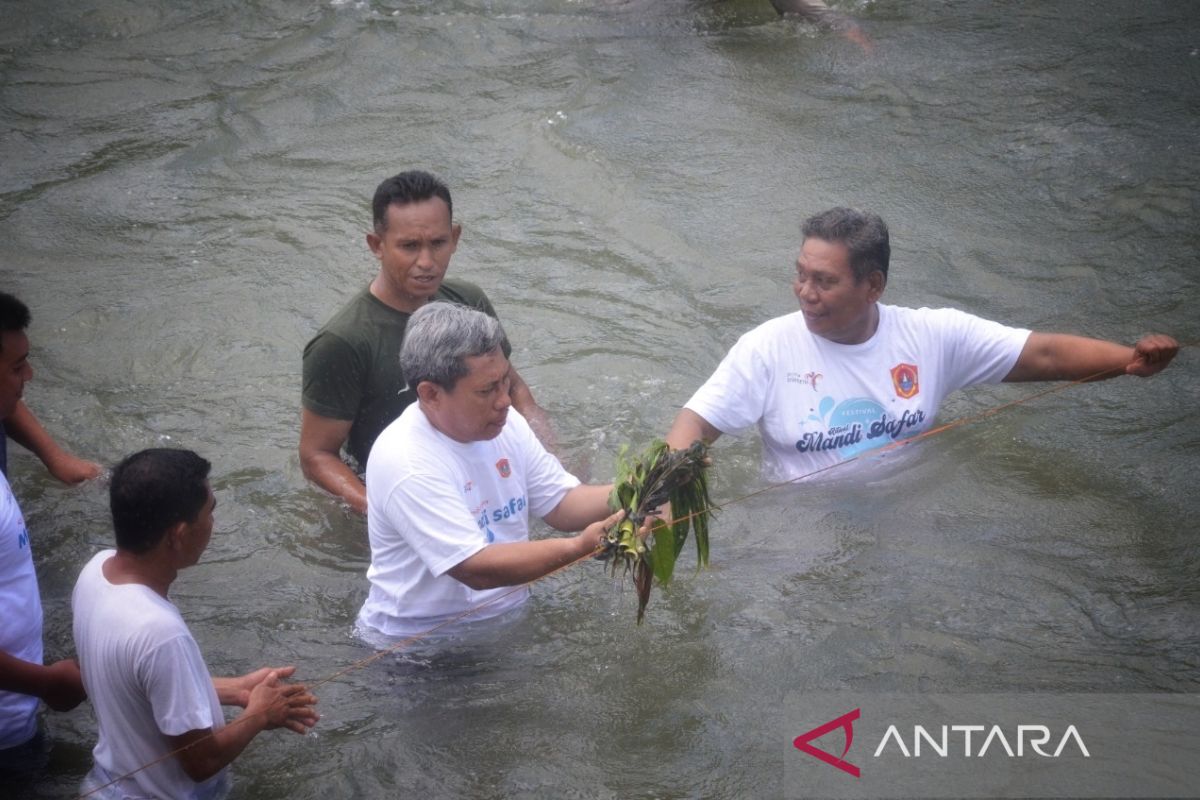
(146, 680)
(817, 402)
(433, 502)
(20, 617)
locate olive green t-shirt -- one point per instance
(352, 366)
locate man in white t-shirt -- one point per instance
(24, 679)
(151, 691)
(452, 482)
(846, 373)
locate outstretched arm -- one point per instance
(321, 440)
(513, 563)
(687, 428)
(24, 429)
(1062, 357)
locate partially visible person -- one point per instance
(817, 12)
(353, 386)
(23, 428)
(846, 374)
(24, 680)
(150, 688)
(452, 483)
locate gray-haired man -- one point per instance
(452, 482)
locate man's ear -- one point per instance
(878, 281)
(374, 242)
(430, 393)
(176, 536)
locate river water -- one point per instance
(183, 200)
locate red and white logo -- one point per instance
(904, 379)
(846, 723)
(503, 468)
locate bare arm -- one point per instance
(581, 506)
(687, 428)
(321, 440)
(513, 563)
(535, 415)
(270, 705)
(1062, 357)
(58, 684)
(24, 429)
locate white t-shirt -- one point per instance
(817, 402)
(433, 502)
(146, 679)
(20, 617)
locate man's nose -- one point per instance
(805, 291)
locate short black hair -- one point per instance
(863, 233)
(414, 186)
(14, 315)
(152, 490)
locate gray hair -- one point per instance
(863, 233)
(440, 338)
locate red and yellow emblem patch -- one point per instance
(503, 468)
(904, 379)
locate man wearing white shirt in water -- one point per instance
(846, 373)
(452, 482)
(151, 690)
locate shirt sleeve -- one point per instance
(333, 377)
(546, 481)
(178, 686)
(980, 350)
(433, 519)
(735, 395)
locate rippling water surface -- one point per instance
(183, 199)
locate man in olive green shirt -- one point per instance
(353, 386)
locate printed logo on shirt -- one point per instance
(512, 508)
(855, 426)
(904, 379)
(810, 378)
(502, 466)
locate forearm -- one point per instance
(23, 677)
(524, 402)
(24, 429)
(1057, 356)
(230, 691)
(204, 753)
(328, 471)
(581, 506)
(514, 563)
(687, 428)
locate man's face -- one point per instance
(15, 370)
(414, 250)
(199, 531)
(476, 409)
(835, 305)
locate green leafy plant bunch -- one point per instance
(643, 485)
